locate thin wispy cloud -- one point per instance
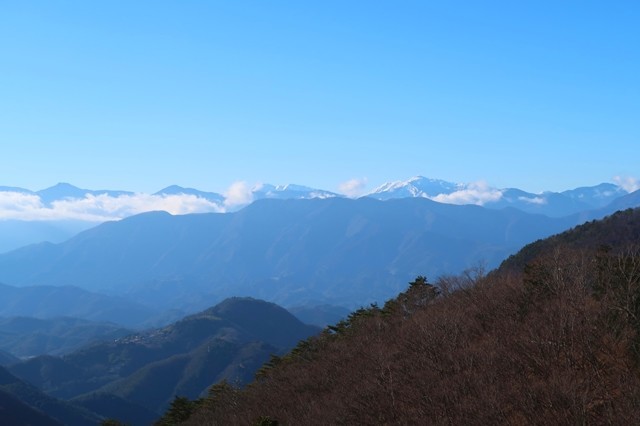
(628, 183)
(100, 208)
(353, 187)
(534, 200)
(478, 193)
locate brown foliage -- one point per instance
(534, 348)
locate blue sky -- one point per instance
(139, 95)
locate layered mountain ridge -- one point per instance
(55, 214)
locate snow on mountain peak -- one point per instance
(417, 186)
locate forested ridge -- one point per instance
(554, 342)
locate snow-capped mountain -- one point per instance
(290, 191)
(58, 212)
(554, 204)
(417, 186)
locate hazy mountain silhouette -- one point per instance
(335, 250)
(63, 191)
(57, 301)
(28, 337)
(19, 233)
(23, 229)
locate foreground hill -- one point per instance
(135, 377)
(556, 343)
(335, 250)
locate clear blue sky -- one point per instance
(142, 94)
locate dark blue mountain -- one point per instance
(335, 250)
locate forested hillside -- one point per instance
(556, 342)
(133, 378)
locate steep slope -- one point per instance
(335, 250)
(553, 343)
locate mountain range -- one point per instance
(558, 203)
(317, 254)
(55, 214)
(338, 251)
(301, 253)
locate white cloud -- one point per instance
(534, 200)
(627, 183)
(478, 193)
(353, 187)
(100, 208)
(15, 202)
(239, 193)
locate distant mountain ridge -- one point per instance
(336, 250)
(48, 302)
(555, 204)
(26, 337)
(57, 213)
(417, 186)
